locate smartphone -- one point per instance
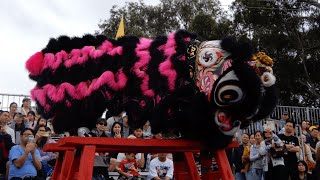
(45, 134)
(30, 139)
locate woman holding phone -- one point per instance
(42, 137)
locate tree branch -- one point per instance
(311, 88)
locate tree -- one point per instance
(289, 32)
(168, 16)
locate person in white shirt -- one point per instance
(161, 168)
(4, 120)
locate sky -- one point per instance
(27, 26)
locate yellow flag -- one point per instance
(120, 31)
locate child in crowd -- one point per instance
(129, 168)
(138, 133)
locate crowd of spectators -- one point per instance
(289, 154)
(23, 134)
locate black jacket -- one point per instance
(5, 146)
(237, 158)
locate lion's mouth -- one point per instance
(226, 124)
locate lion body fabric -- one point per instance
(79, 78)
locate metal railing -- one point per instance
(298, 114)
(6, 99)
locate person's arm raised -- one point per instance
(35, 157)
(19, 162)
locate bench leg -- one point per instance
(62, 167)
(185, 167)
(191, 166)
(86, 162)
(223, 164)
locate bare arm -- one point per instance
(309, 154)
(36, 162)
(21, 160)
(295, 149)
(312, 149)
(141, 161)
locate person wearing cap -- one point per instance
(126, 129)
(26, 106)
(284, 116)
(282, 121)
(312, 140)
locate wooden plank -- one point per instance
(132, 145)
(66, 165)
(223, 165)
(107, 144)
(191, 166)
(55, 147)
(180, 172)
(58, 166)
(136, 145)
(86, 163)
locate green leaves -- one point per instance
(288, 31)
(167, 16)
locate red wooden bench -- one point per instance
(76, 156)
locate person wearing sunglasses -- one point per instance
(101, 159)
(101, 129)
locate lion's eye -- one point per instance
(209, 57)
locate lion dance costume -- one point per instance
(202, 90)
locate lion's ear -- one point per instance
(240, 50)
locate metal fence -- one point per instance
(6, 99)
(279, 125)
(298, 114)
